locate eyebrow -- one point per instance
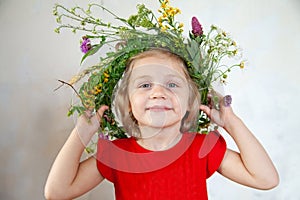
(174, 76)
(141, 77)
(182, 78)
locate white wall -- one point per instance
(33, 118)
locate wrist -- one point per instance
(84, 136)
(232, 122)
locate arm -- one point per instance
(70, 178)
(251, 166)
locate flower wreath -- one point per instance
(203, 54)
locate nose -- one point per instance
(158, 92)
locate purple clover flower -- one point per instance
(196, 27)
(85, 44)
(103, 136)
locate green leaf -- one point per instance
(71, 111)
(78, 109)
(94, 36)
(92, 51)
(122, 20)
(89, 150)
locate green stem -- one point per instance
(110, 12)
(224, 72)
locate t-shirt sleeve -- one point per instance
(102, 153)
(213, 148)
(112, 156)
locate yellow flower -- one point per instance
(178, 11)
(235, 52)
(180, 25)
(234, 43)
(105, 80)
(168, 10)
(173, 12)
(160, 19)
(165, 2)
(163, 5)
(106, 74)
(97, 91)
(242, 65)
(163, 28)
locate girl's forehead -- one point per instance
(158, 66)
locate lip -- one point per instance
(158, 108)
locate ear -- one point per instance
(186, 115)
(129, 107)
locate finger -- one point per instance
(227, 100)
(205, 109)
(88, 113)
(215, 98)
(209, 101)
(100, 111)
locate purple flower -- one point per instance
(103, 136)
(85, 44)
(196, 27)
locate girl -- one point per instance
(157, 103)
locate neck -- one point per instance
(158, 139)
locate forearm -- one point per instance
(69, 177)
(66, 165)
(253, 156)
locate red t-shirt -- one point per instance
(177, 173)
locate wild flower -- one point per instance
(204, 52)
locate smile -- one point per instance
(158, 108)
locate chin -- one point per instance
(160, 124)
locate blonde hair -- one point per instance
(121, 101)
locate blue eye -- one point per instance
(145, 85)
(172, 85)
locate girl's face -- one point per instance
(158, 92)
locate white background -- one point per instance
(33, 117)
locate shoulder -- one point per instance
(210, 138)
(207, 143)
(211, 148)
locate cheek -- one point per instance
(181, 100)
(184, 107)
(136, 101)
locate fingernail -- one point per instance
(227, 100)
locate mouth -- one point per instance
(158, 108)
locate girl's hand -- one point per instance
(221, 112)
(88, 123)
